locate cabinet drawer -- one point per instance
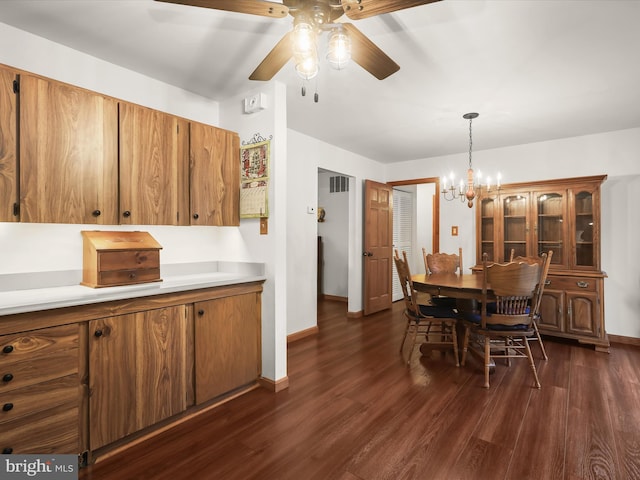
(128, 260)
(52, 431)
(27, 372)
(572, 283)
(38, 343)
(128, 277)
(26, 401)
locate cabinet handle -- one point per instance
(7, 377)
(126, 213)
(7, 451)
(196, 216)
(201, 312)
(132, 275)
(582, 284)
(7, 406)
(547, 282)
(7, 349)
(96, 213)
(98, 333)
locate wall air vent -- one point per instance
(338, 184)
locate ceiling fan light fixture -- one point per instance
(307, 67)
(339, 49)
(304, 40)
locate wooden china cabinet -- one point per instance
(564, 216)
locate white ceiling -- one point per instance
(534, 70)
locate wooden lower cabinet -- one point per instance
(227, 344)
(572, 307)
(74, 381)
(139, 371)
(40, 391)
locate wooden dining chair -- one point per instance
(442, 263)
(437, 324)
(544, 261)
(504, 333)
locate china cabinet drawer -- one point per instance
(134, 259)
(571, 283)
(126, 277)
(40, 397)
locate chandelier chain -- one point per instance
(470, 141)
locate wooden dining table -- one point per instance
(466, 288)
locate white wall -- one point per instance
(270, 249)
(424, 222)
(307, 153)
(613, 153)
(335, 237)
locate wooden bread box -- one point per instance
(119, 258)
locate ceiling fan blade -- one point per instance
(274, 61)
(358, 9)
(253, 7)
(366, 54)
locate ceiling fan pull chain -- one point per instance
(315, 95)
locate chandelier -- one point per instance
(473, 187)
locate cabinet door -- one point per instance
(227, 344)
(488, 233)
(68, 154)
(583, 316)
(552, 311)
(585, 233)
(139, 372)
(215, 176)
(515, 228)
(153, 167)
(550, 228)
(8, 165)
(162, 374)
(112, 366)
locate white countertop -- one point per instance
(180, 279)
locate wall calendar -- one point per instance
(254, 187)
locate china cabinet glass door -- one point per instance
(516, 228)
(550, 226)
(583, 234)
(488, 210)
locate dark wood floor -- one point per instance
(356, 411)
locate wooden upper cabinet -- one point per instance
(215, 176)
(8, 159)
(530, 218)
(154, 149)
(68, 154)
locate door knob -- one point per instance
(367, 254)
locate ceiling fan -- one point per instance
(311, 17)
